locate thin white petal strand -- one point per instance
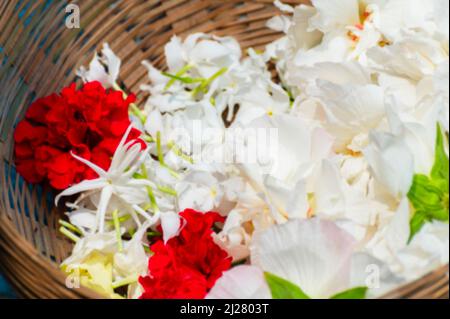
(84, 186)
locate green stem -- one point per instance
(69, 234)
(185, 80)
(179, 152)
(148, 138)
(134, 109)
(153, 205)
(180, 73)
(144, 171)
(122, 219)
(70, 227)
(152, 198)
(154, 234)
(138, 113)
(159, 148)
(147, 249)
(206, 83)
(161, 156)
(124, 282)
(168, 190)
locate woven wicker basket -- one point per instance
(38, 54)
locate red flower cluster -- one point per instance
(89, 122)
(188, 266)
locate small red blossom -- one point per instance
(88, 122)
(188, 266)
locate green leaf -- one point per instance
(419, 219)
(424, 194)
(440, 215)
(441, 165)
(430, 195)
(355, 293)
(283, 289)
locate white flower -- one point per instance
(105, 243)
(392, 235)
(83, 218)
(391, 162)
(207, 54)
(346, 73)
(133, 258)
(279, 23)
(350, 112)
(412, 16)
(199, 58)
(330, 31)
(412, 57)
(259, 100)
(132, 261)
(418, 136)
(97, 70)
(170, 224)
(106, 266)
(115, 184)
(434, 91)
(285, 176)
(313, 254)
(91, 263)
(283, 7)
(335, 14)
(251, 213)
(428, 251)
(199, 191)
(206, 192)
(351, 206)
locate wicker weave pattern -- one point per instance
(38, 55)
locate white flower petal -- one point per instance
(391, 162)
(313, 254)
(113, 63)
(100, 171)
(84, 186)
(241, 282)
(173, 51)
(103, 207)
(334, 14)
(283, 7)
(170, 223)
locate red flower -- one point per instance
(188, 266)
(89, 122)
